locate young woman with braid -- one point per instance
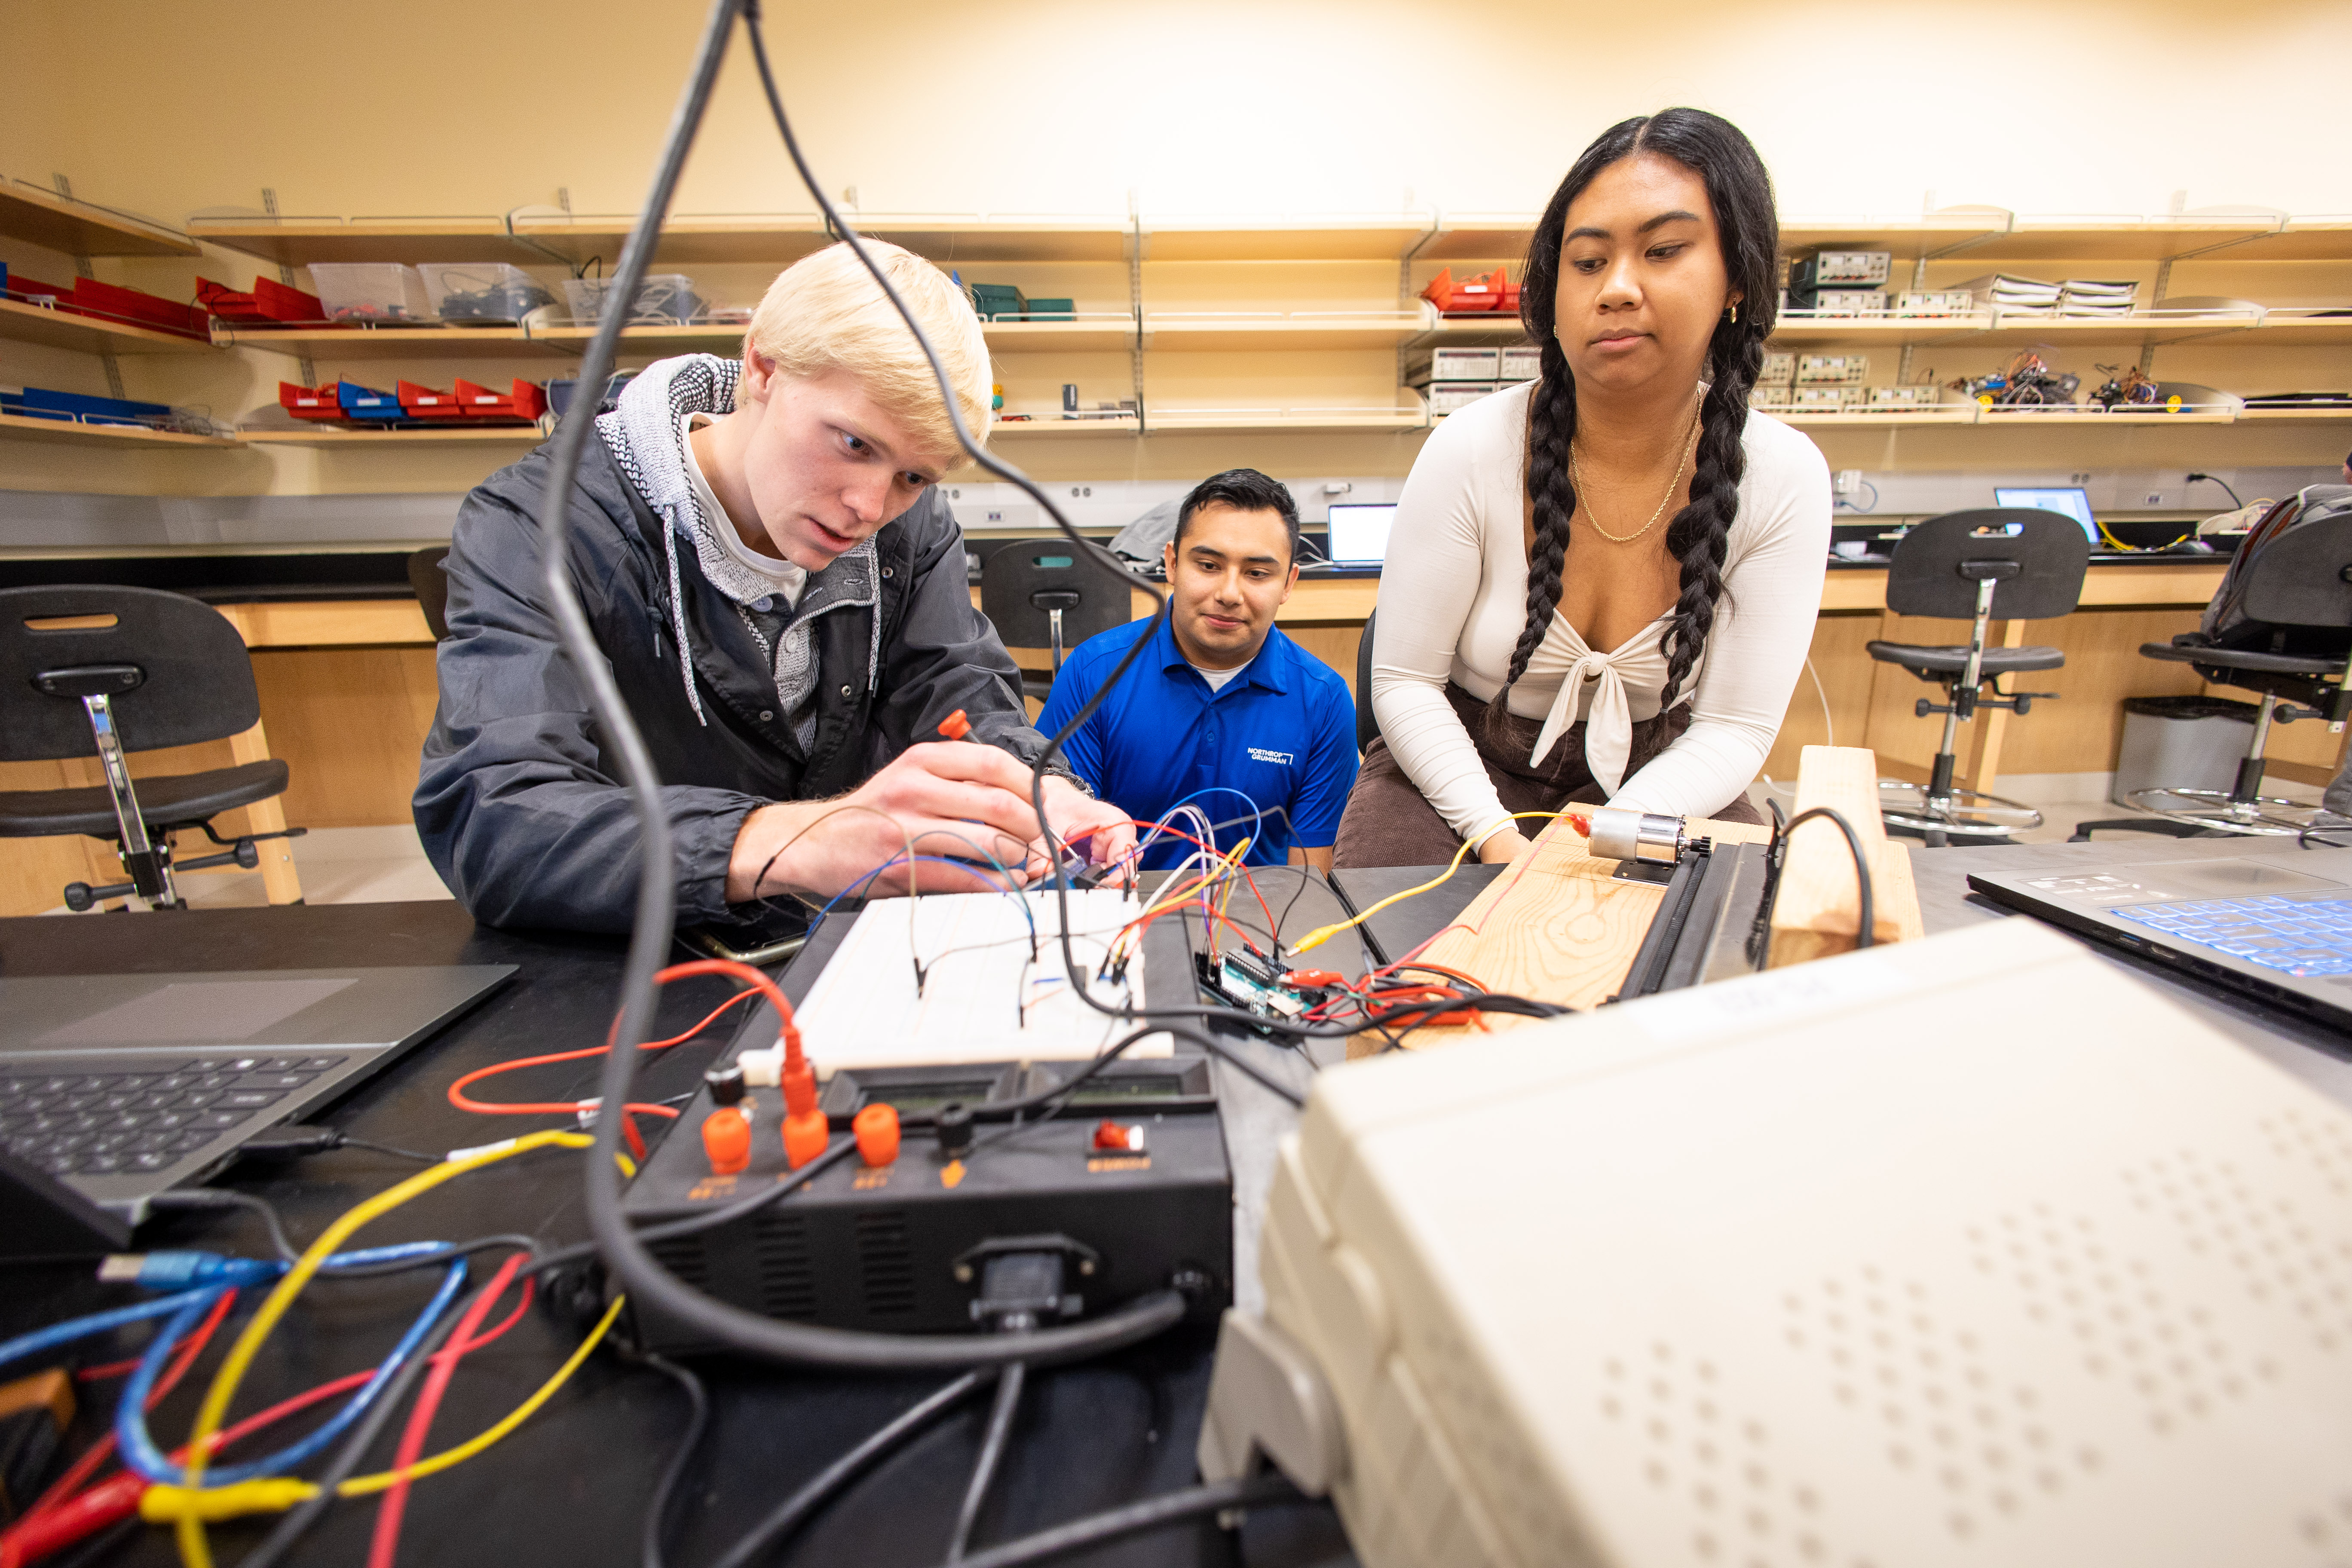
(1602, 585)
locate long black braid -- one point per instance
(1740, 192)
(1551, 423)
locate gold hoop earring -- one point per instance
(1732, 312)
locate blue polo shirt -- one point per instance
(1283, 732)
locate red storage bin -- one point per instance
(319, 403)
(109, 302)
(1472, 296)
(269, 303)
(32, 291)
(523, 405)
(423, 403)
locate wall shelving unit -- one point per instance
(1237, 331)
(22, 323)
(344, 344)
(1023, 429)
(299, 241)
(331, 435)
(18, 427)
(1255, 338)
(71, 227)
(1369, 237)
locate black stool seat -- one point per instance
(1927, 661)
(175, 801)
(2190, 649)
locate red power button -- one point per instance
(1112, 1137)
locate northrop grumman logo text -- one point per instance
(1260, 754)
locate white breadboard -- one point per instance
(989, 993)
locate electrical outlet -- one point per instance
(1846, 479)
(2154, 497)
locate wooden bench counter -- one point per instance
(1317, 601)
(348, 691)
(1866, 703)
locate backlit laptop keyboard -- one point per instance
(104, 1122)
(2296, 937)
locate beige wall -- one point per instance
(1205, 107)
(437, 106)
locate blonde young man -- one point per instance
(780, 589)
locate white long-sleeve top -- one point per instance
(1452, 599)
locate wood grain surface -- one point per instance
(1556, 926)
(1818, 912)
(1559, 927)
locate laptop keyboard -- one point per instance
(143, 1120)
(2295, 937)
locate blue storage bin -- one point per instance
(41, 402)
(365, 402)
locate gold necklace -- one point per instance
(1690, 445)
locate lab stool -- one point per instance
(1960, 565)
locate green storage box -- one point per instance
(997, 301)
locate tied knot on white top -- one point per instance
(1453, 601)
(1609, 722)
(1593, 685)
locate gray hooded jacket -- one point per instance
(519, 802)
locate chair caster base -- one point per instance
(1964, 814)
(2213, 813)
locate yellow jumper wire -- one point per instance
(194, 1551)
(1322, 934)
(170, 1505)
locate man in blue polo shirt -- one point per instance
(1221, 700)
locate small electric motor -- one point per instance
(1641, 836)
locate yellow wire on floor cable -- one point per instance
(1322, 934)
(194, 1551)
(173, 1505)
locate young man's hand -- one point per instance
(1095, 828)
(954, 798)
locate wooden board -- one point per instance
(1840, 706)
(2104, 587)
(1560, 928)
(1818, 910)
(1556, 926)
(348, 773)
(330, 623)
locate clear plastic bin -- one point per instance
(667, 298)
(365, 292)
(482, 294)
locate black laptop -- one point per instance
(2272, 923)
(123, 1085)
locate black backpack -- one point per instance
(2306, 534)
